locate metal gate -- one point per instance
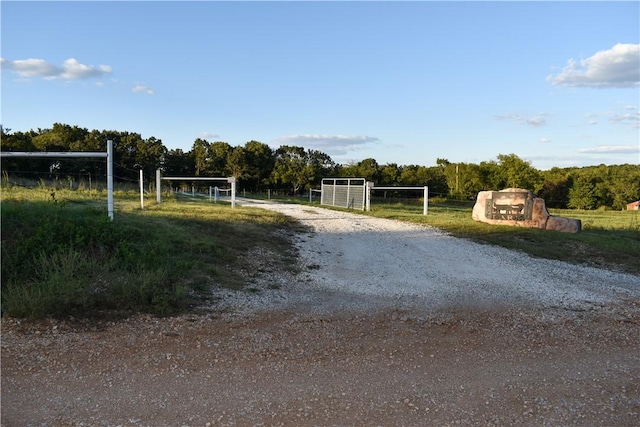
(347, 193)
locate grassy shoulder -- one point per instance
(62, 256)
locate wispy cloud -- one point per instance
(545, 140)
(629, 115)
(628, 119)
(208, 136)
(70, 69)
(143, 89)
(538, 120)
(336, 145)
(617, 67)
(611, 149)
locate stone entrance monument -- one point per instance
(518, 207)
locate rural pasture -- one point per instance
(61, 256)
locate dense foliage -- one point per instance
(258, 167)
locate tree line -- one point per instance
(258, 167)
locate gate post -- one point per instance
(369, 186)
(426, 200)
(158, 190)
(110, 179)
(232, 180)
(141, 189)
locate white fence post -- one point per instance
(233, 192)
(110, 179)
(426, 200)
(158, 189)
(141, 189)
(368, 195)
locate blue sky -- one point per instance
(556, 83)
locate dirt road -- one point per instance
(348, 344)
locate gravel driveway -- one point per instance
(389, 324)
(355, 261)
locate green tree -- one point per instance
(178, 163)
(291, 168)
(59, 138)
(624, 185)
(259, 164)
(21, 166)
(369, 170)
(150, 156)
(390, 174)
(463, 180)
(237, 162)
(320, 164)
(201, 160)
(218, 153)
(513, 172)
(582, 194)
(414, 175)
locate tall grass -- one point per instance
(66, 258)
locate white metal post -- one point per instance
(141, 189)
(426, 200)
(368, 195)
(158, 187)
(110, 179)
(232, 180)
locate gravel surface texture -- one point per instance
(388, 324)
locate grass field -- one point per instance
(61, 255)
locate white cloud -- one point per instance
(336, 145)
(629, 119)
(612, 149)
(208, 136)
(535, 121)
(143, 89)
(616, 67)
(545, 140)
(70, 69)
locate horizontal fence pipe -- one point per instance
(188, 178)
(51, 154)
(398, 188)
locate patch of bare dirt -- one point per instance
(454, 367)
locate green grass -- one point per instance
(62, 256)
